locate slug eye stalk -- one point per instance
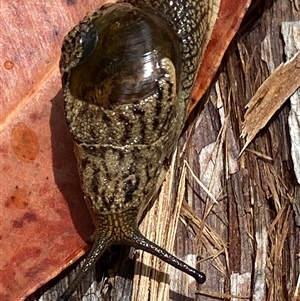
(126, 232)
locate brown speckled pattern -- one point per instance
(119, 171)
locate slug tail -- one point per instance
(139, 241)
(101, 243)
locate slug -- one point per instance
(127, 74)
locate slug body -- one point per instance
(127, 73)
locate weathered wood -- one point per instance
(244, 235)
(258, 188)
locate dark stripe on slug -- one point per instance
(84, 163)
(96, 171)
(102, 194)
(105, 168)
(106, 118)
(159, 90)
(143, 132)
(170, 89)
(95, 184)
(127, 126)
(138, 111)
(129, 188)
(120, 155)
(141, 114)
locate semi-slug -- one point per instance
(127, 73)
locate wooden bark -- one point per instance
(242, 227)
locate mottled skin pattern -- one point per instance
(126, 96)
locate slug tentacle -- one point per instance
(141, 242)
(127, 74)
(101, 244)
(122, 228)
